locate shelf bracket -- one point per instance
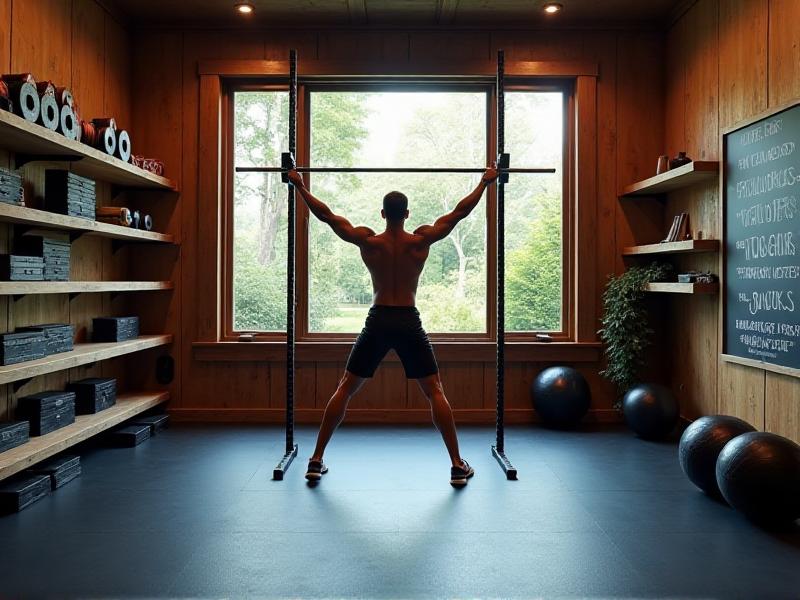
(18, 297)
(22, 159)
(73, 295)
(74, 235)
(16, 385)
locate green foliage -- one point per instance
(625, 329)
(533, 275)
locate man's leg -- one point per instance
(431, 386)
(335, 411)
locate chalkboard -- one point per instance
(761, 187)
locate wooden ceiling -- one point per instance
(388, 13)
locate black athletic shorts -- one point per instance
(398, 328)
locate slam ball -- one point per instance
(701, 444)
(650, 410)
(758, 474)
(561, 396)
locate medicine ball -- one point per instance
(561, 396)
(758, 474)
(650, 410)
(701, 444)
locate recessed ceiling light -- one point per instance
(552, 8)
(245, 8)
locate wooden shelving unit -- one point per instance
(83, 354)
(681, 177)
(24, 288)
(683, 288)
(22, 215)
(34, 141)
(681, 247)
(85, 426)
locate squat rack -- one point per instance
(288, 162)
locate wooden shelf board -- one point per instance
(83, 354)
(22, 215)
(687, 175)
(22, 288)
(85, 426)
(681, 247)
(20, 136)
(673, 287)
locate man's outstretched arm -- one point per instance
(341, 226)
(446, 223)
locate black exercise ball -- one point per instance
(561, 396)
(758, 474)
(701, 444)
(650, 410)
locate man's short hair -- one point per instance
(395, 205)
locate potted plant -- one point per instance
(626, 332)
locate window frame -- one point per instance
(305, 88)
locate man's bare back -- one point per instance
(395, 259)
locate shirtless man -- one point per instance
(395, 259)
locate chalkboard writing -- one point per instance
(761, 184)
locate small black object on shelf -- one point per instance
(47, 411)
(21, 347)
(14, 267)
(20, 492)
(14, 434)
(69, 194)
(57, 336)
(54, 249)
(680, 160)
(115, 329)
(94, 394)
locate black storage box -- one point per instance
(61, 470)
(19, 493)
(10, 187)
(47, 411)
(14, 267)
(129, 436)
(155, 422)
(94, 394)
(115, 329)
(54, 249)
(57, 336)
(69, 194)
(14, 434)
(21, 347)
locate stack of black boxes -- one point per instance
(57, 336)
(14, 434)
(94, 394)
(47, 411)
(10, 187)
(53, 249)
(69, 194)
(115, 329)
(21, 347)
(14, 267)
(61, 470)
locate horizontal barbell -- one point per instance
(287, 164)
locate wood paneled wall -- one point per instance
(629, 93)
(727, 61)
(78, 44)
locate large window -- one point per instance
(409, 126)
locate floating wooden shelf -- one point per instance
(23, 288)
(23, 137)
(22, 215)
(683, 288)
(681, 177)
(682, 247)
(85, 426)
(83, 354)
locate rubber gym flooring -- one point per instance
(194, 513)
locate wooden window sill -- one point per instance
(445, 351)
